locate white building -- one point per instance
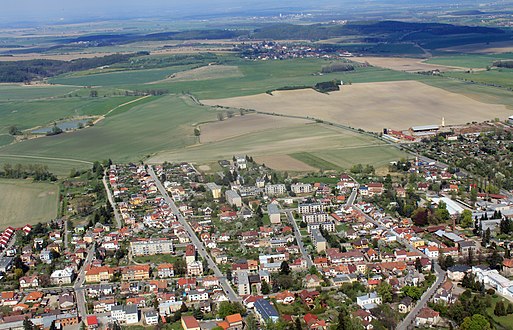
(369, 301)
(125, 314)
(309, 207)
(151, 318)
(275, 189)
(495, 280)
(61, 276)
(243, 285)
(301, 188)
(233, 198)
(151, 247)
(274, 213)
(315, 217)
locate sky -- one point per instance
(52, 10)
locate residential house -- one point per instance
(29, 282)
(135, 273)
(265, 311)
(427, 317)
(190, 323)
(125, 314)
(369, 301)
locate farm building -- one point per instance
(425, 128)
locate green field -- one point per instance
(495, 77)
(318, 144)
(29, 114)
(21, 92)
(119, 78)
(24, 202)
(474, 61)
(165, 123)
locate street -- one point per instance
(79, 284)
(409, 320)
(111, 201)
(297, 233)
(232, 296)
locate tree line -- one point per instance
(38, 172)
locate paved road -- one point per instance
(232, 296)
(79, 284)
(352, 197)
(111, 201)
(408, 321)
(297, 233)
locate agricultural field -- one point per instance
(494, 77)
(208, 72)
(167, 122)
(276, 145)
(33, 113)
(241, 125)
(24, 202)
(285, 163)
(470, 61)
(14, 92)
(497, 47)
(404, 64)
(369, 106)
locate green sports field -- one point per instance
(24, 202)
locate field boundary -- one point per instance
(48, 158)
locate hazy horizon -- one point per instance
(52, 11)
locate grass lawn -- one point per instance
(500, 322)
(157, 259)
(321, 179)
(24, 202)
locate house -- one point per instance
(66, 301)
(125, 314)
(92, 322)
(214, 189)
(98, 274)
(405, 305)
(61, 276)
(275, 189)
(265, 311)
(151, 317)
(274, 213)
(467, 247)
(33, 297)
(301, 188)
(507, 267)
(427, 317)
(190, 323)
(165, 270)
(312, 281)
(286, 297)
(29, 282)
(232, 322)
(457, 272)
(136, 272)
(312, 322)
(369, 301)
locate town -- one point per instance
(248, 247)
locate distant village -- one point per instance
(248, 247)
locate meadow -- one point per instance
(24, 202)
(495, 77)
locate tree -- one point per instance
(476, 322)
(28, 325)
(14, 130)
(495, 260)
(500, 309)
(228, 308)
(284, 268)
(93, 93)
(466, 219)
(265, 287)
(297, 324)
(418, 265)
(198, 313)
(509, 309)
(251, 323)
(385, 292)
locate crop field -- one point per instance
(285, 163)
(374, 106)
(471, 61)
(28, 114)
(21, 92)
(274, 144)
(164, 123)
(23, 202)
(119, 78)
(495, 77)
(482, 48)
(241, 125)
(403, 64)
(208, 72)
(58, 166)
